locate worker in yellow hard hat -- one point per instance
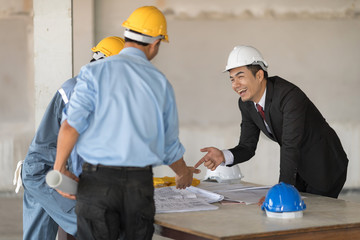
(44, 209)
(123, 118)
(107, 47)
(146, 24)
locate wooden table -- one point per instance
(324, 218)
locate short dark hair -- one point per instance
(255, 68)
(134, 41)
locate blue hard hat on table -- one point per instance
(283, 197)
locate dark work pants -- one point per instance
(334, 192)
(115, 203)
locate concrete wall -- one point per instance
(314, 44)
(83, 35)
(16, 81)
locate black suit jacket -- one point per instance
(308, 145)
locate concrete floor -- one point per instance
(11, 213)
(10, 216)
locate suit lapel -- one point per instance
(257, 118)
(268, 100)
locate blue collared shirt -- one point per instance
(125, 112)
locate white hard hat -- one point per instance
(223, 173)
(245, 55)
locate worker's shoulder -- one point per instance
(70, 83)
(279, 84)
(128, 60)
(282, 90)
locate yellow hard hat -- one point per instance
(148, 20)
(109, 46)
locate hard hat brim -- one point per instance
(284, 215)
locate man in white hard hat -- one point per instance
(123, 116)
(44, 209)
(311, 155)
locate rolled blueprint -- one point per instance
(61, 182)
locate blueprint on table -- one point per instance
(170, 199)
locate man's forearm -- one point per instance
(184, 174)
(179, 167)
(66, 142)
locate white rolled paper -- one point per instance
(59, 181)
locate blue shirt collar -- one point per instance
(133, 51)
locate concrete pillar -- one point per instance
(16, 91)
(53, 50)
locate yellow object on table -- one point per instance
(170, 181)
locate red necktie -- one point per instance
(261, 111)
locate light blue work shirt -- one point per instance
(125, 112)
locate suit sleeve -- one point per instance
(249, 137)
(294, 106)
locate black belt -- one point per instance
(93, 168)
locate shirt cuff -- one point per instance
(229, 157)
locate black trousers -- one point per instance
(115, 203)
(334, 192)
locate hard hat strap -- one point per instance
(261, 64)
(98, 55)
(140, 37)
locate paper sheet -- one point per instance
(242, 193)
(248, 196)
(170, 199)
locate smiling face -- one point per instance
(248, 86)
